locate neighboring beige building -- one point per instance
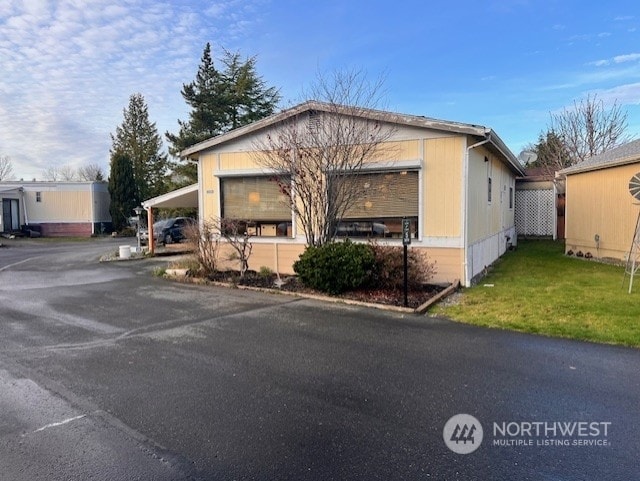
(55, 208)
(601, 214)
(454, 181)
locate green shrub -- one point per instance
(388, 273)
(336, 267)
(265, 272)
(159, 271)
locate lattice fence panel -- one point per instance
(535, 211)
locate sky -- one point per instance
(68, 67)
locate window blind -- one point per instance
(388, 194)
(253, 198)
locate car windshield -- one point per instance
(157, 226)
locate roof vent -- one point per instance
(314, 121)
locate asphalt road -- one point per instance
(107, 372)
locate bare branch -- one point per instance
(589, 128)
(235, 232)
(316, 156)
(6, 168)
(61, 173)
(90, 172)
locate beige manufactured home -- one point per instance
(601, 214)
(55, 208)
(454, 181)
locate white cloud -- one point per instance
(631, 57)
(69, 67)
(627, 58)
(628, 94)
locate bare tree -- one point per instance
(589, 128)
(62, 173)
(6, 168)
(90, 172)
(316, 154)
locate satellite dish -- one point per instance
(634, 186)
(527, 157)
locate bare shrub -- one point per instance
(390, 265)
(236, 234)
(206, 241)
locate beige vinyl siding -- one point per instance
(448, 266)
(60, 206)
(442, 186)
(237, 161)
(599, 202)
(449, 263)
(264, 255)
(487, 218)
(210, 187)
(396, 151)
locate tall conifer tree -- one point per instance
(220, 101)
(138, 137)
(122, 189)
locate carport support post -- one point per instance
(150, 229)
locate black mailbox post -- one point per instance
(406, 241)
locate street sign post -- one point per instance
(406, 231)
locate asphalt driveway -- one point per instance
(107, 372)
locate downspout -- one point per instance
(465, 201)
(24, 207)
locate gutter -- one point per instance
(465, 201)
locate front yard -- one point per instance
(538, 289)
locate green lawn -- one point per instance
(538, 289)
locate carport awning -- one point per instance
(184, 197)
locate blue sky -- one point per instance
(68, 67)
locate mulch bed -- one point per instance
(415, 297)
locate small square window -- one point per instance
(38, 196)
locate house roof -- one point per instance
(628, 153)
(380, 115)
(183, 197)
(536, 174)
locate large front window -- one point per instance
(258, 203)
(382, 200)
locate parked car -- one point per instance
(157, 229)
(174, 229)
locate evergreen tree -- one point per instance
(248, 97)
(122, 189)
(220, 101)
(138, 138)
